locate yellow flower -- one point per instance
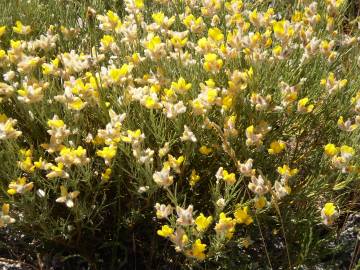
(286, 171)
(163, 177)
(277, 51)
(242, 216)
(77, 104)
(225, 226)
(2, 30)
(26, 165)
(303, 107)
(344, 149)
(5, 219)
(175, 163)
(204, 44)
(331, 149)
(132, 136)
(279, 29)
(19, 186)
(227, 102)
(11, 191)
(71, 156)
(253, 138)
(211, 95)
(152, 43)
(15, 44)
(105, 176)
(150, 103)
(5, 208)
(297, 16)
(165, 231)
(139, 4)
(346, 125)
(194, 178)
(239, 80)
(21, 29)
(215, 34)
(332, 84)
(329, 213)
(2, 54)
(254, 17)
(116, 74)
(205, 150)
(283, 30)
(196, 25)
(135, 58)
(329, 209)
(55, 123)
(158, 17)
(180, 239)
(7, 130)
(202, 222)
(326, 46)
(229, 178)
(178, 42)
(110, 22)
(25, 152)
(212, 63)
(107, 153)
(113, 17)
(57, 171)
(41, 164)
(107, 40)
(181, 87)
(198, 249)
(276, 147)
(260, 202)
(246, 242)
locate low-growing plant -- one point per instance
(180, 134)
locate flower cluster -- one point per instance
(222, 106)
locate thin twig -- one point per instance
(230, 151)
(282, 229)
(355, 254)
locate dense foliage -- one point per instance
(180, 134)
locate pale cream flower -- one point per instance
(185, 216)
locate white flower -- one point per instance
(179, 239)
(280, 190)
(40, 193)
(172, 110)
(185, 215)
(221, 203)
(7, 130)
(246, 168)
(145, 156)
(188, 135)
(143, 189)
(219, 173)
(163, 177)
(257, 185)
(67, 197)
(9, 76)
(164, 150)
(163, 211)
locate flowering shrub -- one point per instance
(193, 133)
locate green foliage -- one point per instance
(98, 210)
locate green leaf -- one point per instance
(341, 185)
